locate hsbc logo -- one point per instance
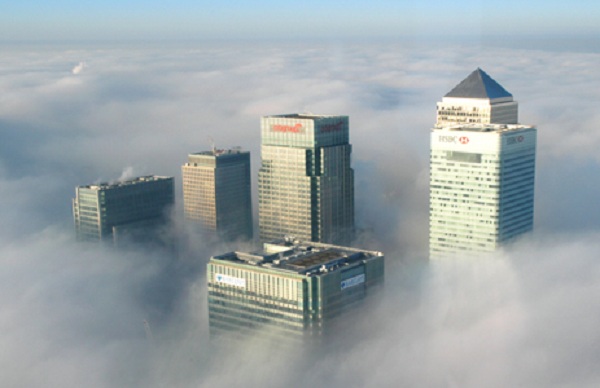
(515, 139)
(447, 139)
(453, 139)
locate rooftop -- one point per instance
(302, 116)
(219, 152)
(478, 85)
(498, 128)
(128, 182)
(303, 258)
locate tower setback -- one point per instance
(478, 99)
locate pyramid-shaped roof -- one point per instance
(478, 85)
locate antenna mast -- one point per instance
(213, 148)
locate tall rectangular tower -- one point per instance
(217, 192)
(481, 186)
(478, 99)
(305, 183)
(100, 209)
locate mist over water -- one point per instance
(73, 314)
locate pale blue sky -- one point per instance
(187, 19)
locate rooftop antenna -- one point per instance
(213, 148)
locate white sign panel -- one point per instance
(482, 142)
(237, 282)
(466, 141)
(353, 281)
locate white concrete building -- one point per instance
(478, 99)
(481, 186)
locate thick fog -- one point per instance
(76, 314)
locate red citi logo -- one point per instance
(463, 140)
(287, 128)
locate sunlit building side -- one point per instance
(481, 186)
(306, 183)
(217, 192)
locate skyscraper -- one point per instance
(478, 99)
(305, 183)
(101, 209)
(290, 290)
(481, 186)
(216, 192)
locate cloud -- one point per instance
(128, 173)
(78, 68)
(74, 314)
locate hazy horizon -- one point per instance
(334, 19)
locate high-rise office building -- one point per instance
(478, 99)
(481, 186)
(217, 192)
(101, 210)
(291, 289)
(306, 184)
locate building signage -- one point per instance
(297, 128)
(453, 139)
(515, 139)
(238, 282)
(447, 139)
(332, 127)
(353, 281)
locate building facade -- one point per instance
(102, 209)
(290, 290)
(306, 183)
(217, 192)
(478, 99)
(481, 186)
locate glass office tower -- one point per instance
(290, 290)
(217, 192)
(306, 184)
(100, 210)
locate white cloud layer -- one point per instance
(73, 314)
